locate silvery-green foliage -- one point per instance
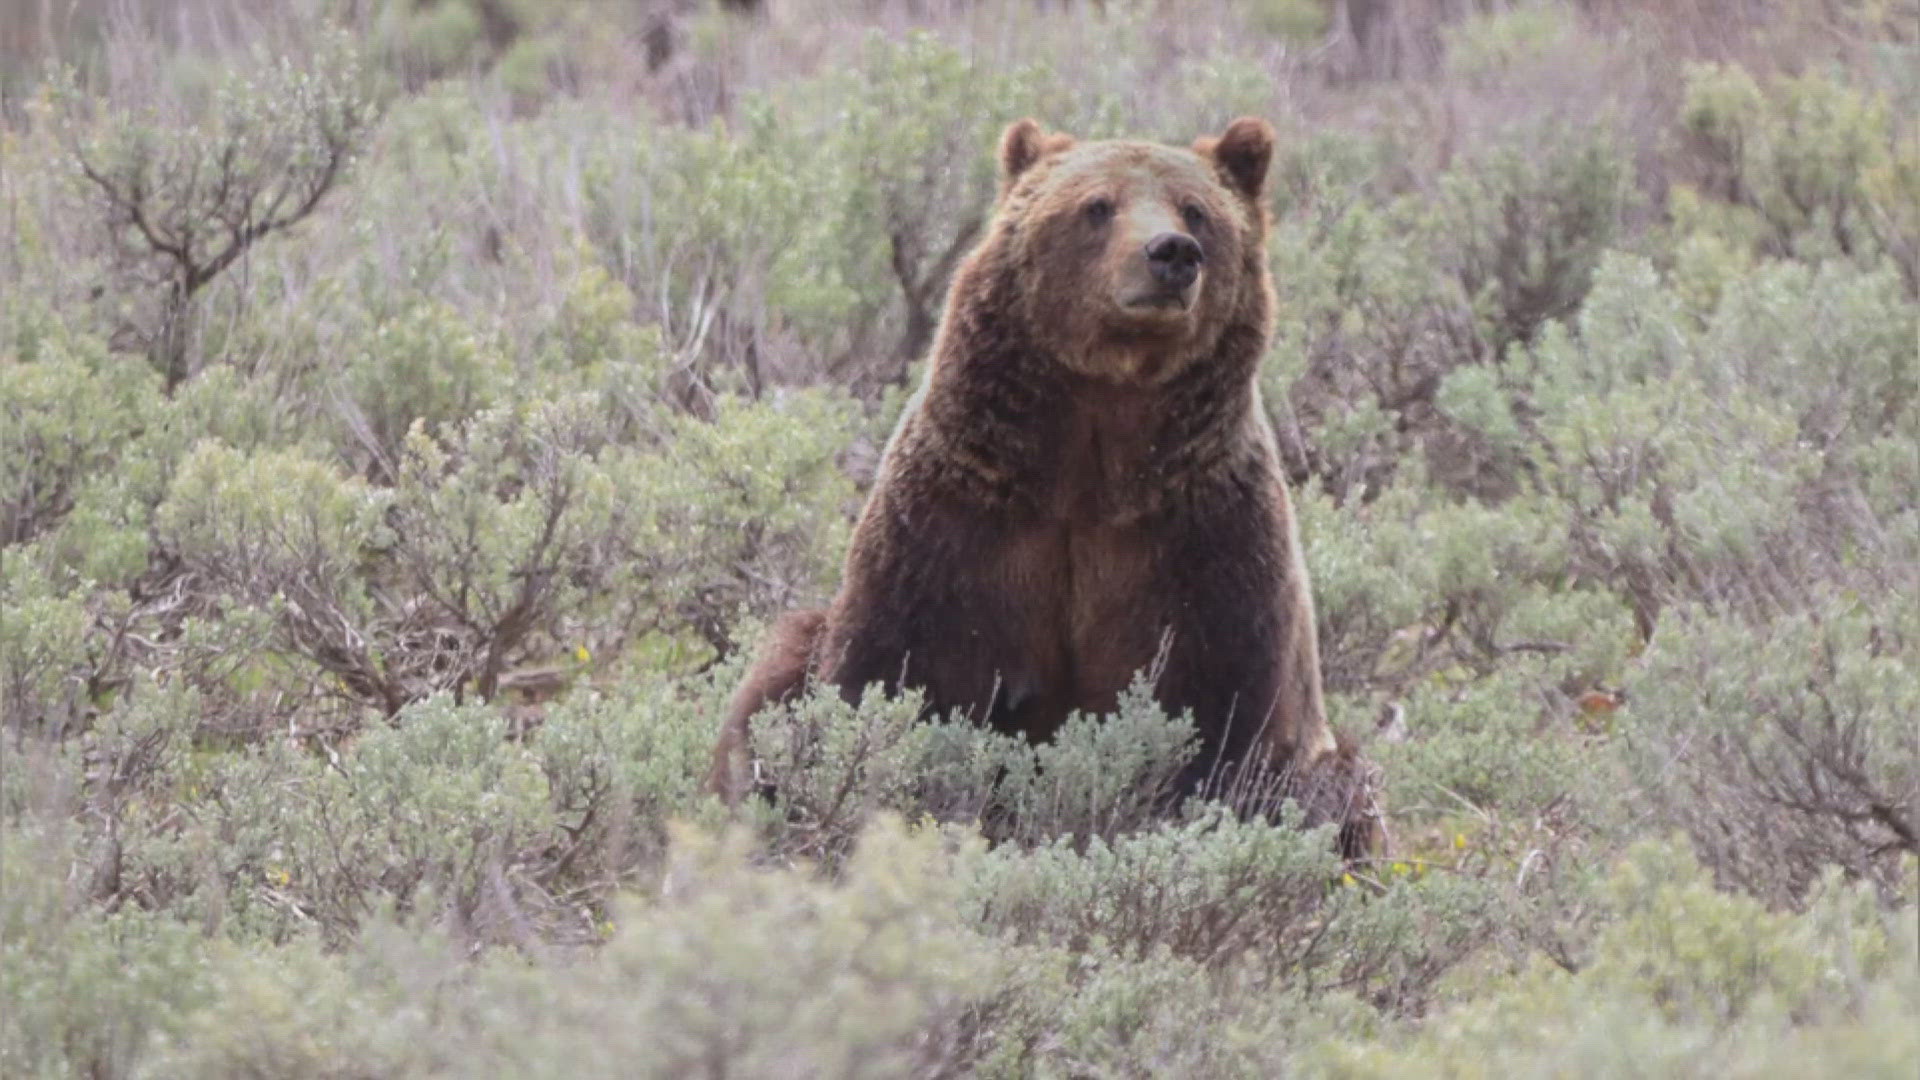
(1211, 888)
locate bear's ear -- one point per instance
(1023, 145)
(1242, 154)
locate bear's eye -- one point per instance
(1196, 218)
(1099, 211)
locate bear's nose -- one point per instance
(1174, 259)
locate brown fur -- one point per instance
(1086, 480)
(778, 675)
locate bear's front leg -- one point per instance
(925, 605)
(1242, 654)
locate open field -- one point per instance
(411, 409)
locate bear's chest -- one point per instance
(1105, 467)
(1087, 613)
(1085, 574)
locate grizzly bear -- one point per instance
(1086, 484)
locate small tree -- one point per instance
(182, 193)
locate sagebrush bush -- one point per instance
(179, 198)
(1788, 750)
(42, 647)
(1532, 218)
(1211, 889)
(1802, 166)
(84, 991)
(1688, 981)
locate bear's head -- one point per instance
(1133, 258)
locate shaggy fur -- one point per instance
(1086, 484)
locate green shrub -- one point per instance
(1679, 481)
(1523, 226)
(1492, 742)
(1373, 581)
(43, 649)
(1519, 228)
(1804, 166)
(285, 536)
(295, 1011)
(1783, 750)
(1096, 1013)
(746, 511)
(1103, 775)
(179, 197)
(507, 523)
(436, 809)
(82, 991)
(1833, 344)
(907, 179)
(1300, 21)
(1212, 889)
(425, 366)
(618, 766)
(876, 975)
(1688, 981)
(65, 414)
(1366, 330)
(833, 764)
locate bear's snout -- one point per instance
(1174, 259)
